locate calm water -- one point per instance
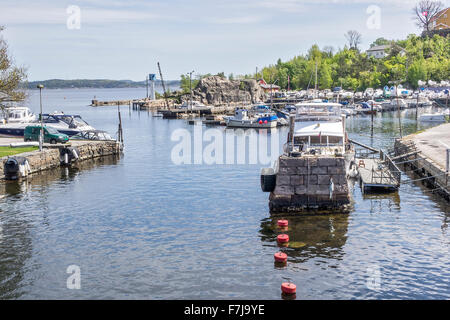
(142, 227)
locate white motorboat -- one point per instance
(196, 105)
(64, 123)
(435, 117)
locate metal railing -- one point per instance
(393, 169)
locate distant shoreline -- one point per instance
(94, 84)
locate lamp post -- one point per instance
(41, 132)
(190, 86)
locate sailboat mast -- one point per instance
(316, 82)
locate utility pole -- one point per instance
(41, 132)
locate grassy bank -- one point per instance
(8, 151)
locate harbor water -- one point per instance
(143, 227)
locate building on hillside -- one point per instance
(441, 20)
(380, 52)
(268, 87)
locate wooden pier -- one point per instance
(176, 113)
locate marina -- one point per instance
(323, 246)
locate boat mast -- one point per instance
(315, 92)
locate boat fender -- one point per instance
(15, 167)
(75, 153)
(268, 179)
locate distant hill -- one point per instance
(95, 83)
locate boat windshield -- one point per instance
(319, 111)
(76, 120)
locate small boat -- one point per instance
(244, 119)
(366, 108)
(434, 117)
(64, 123)
(347, 112)
(196, 105)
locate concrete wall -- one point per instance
(304, 183)
(424, 167)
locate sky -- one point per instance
(124, 39)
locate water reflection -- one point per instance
(17, 226)
(383, 202)
(309, 236)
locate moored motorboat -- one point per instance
(311, 172)
(245, 119)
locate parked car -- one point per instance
(51, 135)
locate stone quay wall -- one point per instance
(304, 183)
(51, 157)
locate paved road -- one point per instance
(434, 142)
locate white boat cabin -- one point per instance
(319, 128)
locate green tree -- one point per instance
(11, 76)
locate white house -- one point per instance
(379, 52)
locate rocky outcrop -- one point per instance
(216, 90)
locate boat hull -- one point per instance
(250, 124)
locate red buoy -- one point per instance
(260, 121)
(283, 223)
(288, 288)
(283, 238)
(265, 121)
(280, 257)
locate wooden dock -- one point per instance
(179, 113)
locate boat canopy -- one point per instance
(332, 129)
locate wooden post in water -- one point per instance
(447, 167)
(398, 111)
(119, 132)
(291, 131)
(417, 106)
(371, 119)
